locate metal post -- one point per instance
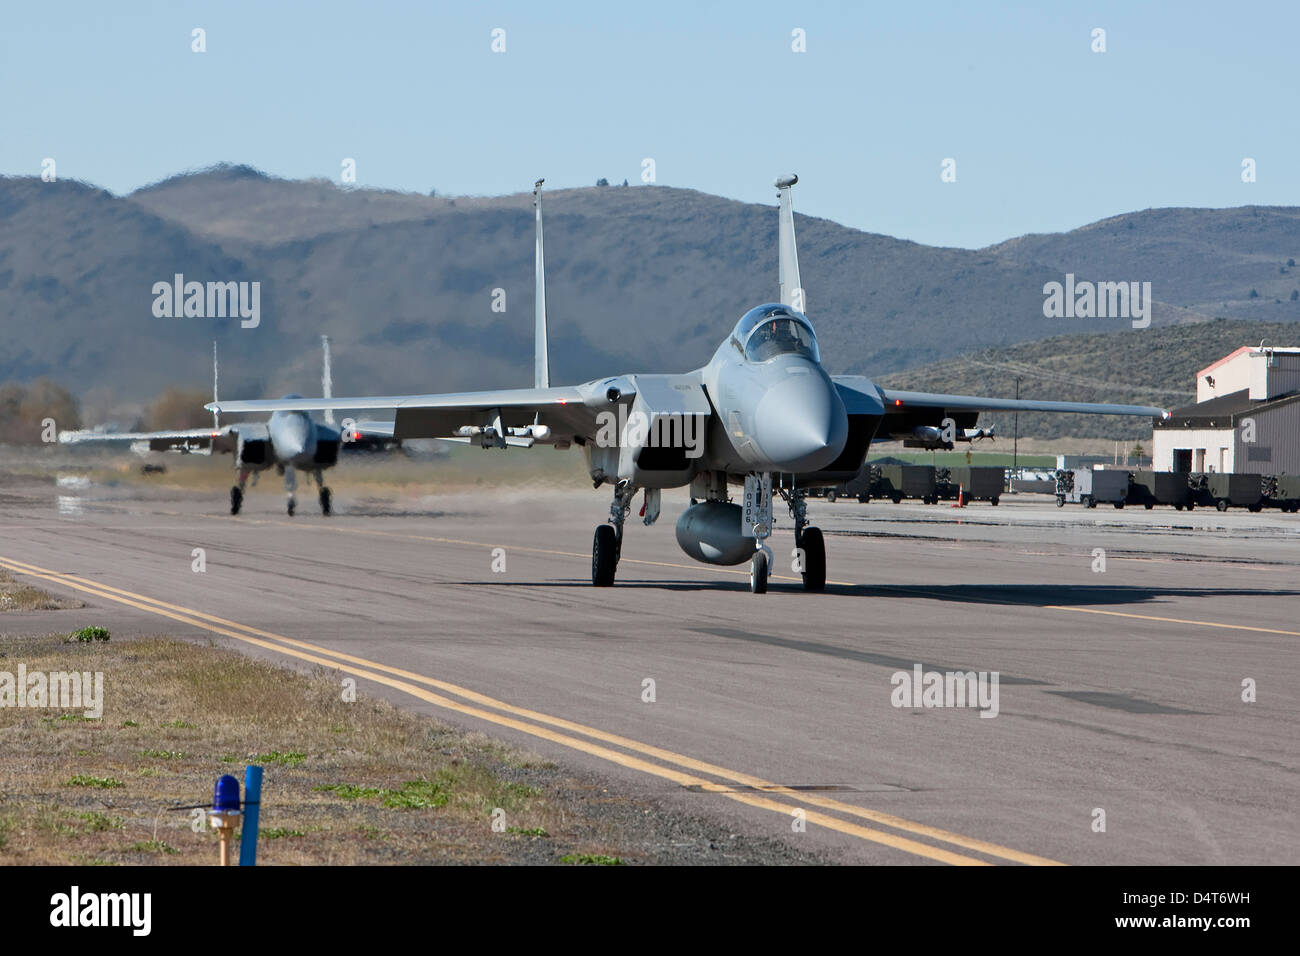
(252, 803)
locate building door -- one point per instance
(1182, 459)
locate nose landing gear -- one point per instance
(291, 485)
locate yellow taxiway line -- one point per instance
(540, 727)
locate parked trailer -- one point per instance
(975, 483)
(1198, 483)
(897, 482)
(1087, 487)
(1234, 490)
(1284, 492)
(1151, 488)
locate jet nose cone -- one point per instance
(291, 447)
(801, 424)
(293, 437)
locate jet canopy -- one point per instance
(771, 330)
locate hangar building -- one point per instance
(1246, 418)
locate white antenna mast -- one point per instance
(216, 415)
(541, 360)
(326, 378)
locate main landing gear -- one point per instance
(325, 498)
(808, 541)
(237, 491)
(607, 544)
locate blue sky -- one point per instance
(1047, 135)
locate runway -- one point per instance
(1120, 689)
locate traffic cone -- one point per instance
(961, 497)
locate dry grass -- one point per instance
(17, 596)
(345, 783)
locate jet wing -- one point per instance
(896, 401)
(563, 410)
(202, 441)
(363, 430)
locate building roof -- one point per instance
(1223, 411)
(1286, 350)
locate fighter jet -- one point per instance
(762, 420)
(290, 441)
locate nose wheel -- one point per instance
(324, 501)
(758, 570)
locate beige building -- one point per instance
(1246, 418)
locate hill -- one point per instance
(639, 278)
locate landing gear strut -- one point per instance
(758, 516)
(607, 545)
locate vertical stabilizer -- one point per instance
(541, 360)
(216, 415)
(788, 253)
(326, 378)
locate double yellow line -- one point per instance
(645, 758)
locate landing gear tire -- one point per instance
(1060, 501)
(993, 502)
(324, 501)
(1222, 504)
(236, 500)
(832, 495)
(292, 504)
(604, 556)
(814, 560)
(758, 572)
(1090, 502)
